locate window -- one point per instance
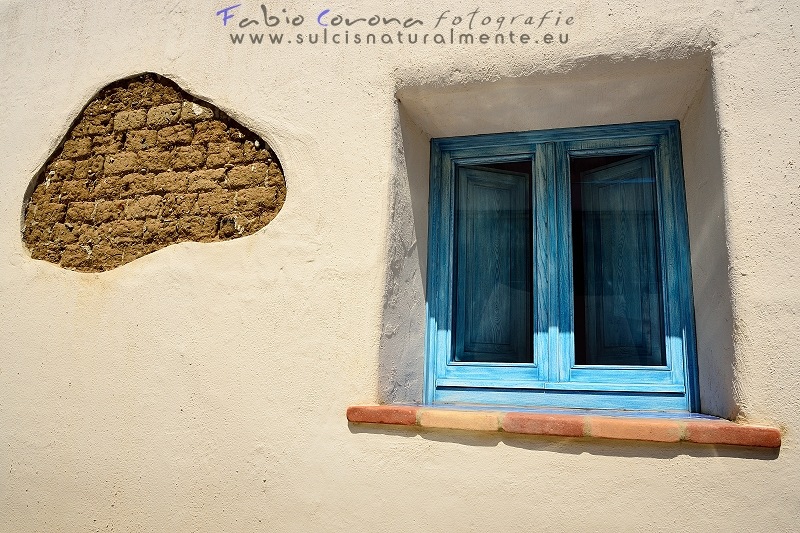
(559, 270)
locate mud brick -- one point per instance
(146, 207)
(48, 253)
(129, 120)
(177, 205)
(275, 176)
(216, 174)
(125, 230)
(105, 255)
(155, 160)
(188, 157)
(192, 112)
(79, 212)
(203, 185)
(89, 168)
(175, 135)
(163, 115)
(140, 140)
(171, 182)
(62, 235)
(74, 190)
(210, 131)
(60, 169)
(107, 210)
(256, 200)
(88, 235)
(75, 257)
(247, 176)
(76, 148)
(197, 228)
(110, 187)
(48, 214)
(106, 144)
(162, 232)
(213, 203)
(121, 163)
(229, 147)
(251, 153)
(138, 184)
(46, 192)
(93, 125)
(224, 153)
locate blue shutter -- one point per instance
(493, 322)
(620, 297)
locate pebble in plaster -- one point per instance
(146, 166)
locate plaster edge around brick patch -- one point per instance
(146, 165)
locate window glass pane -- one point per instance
(493, 264)
(617, 275)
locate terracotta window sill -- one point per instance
(699, 429)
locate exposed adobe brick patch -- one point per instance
(145, 166)
(694, 430)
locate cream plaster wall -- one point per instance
(203, 387)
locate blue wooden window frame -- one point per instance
(553, 379)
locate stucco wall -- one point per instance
(202, 387)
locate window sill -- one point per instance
(653, 427)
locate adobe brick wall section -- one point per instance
(145, 166)
(693, 430)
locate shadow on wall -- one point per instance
(402, 338)
(705, 202)
(573, 446)
(600, 91)
(144, 166)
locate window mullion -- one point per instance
(552, 270)
(561, 236)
